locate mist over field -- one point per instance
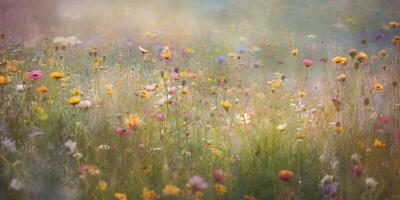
(199, 99)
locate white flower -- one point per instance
(20, 87)
(243, 118)
(9, 145)
(70, 145)
(281, 127)
(327, 179)
(67, 41)
(85, 104)
(103, 147)
(16, 184)
(371, 183)
(77, 155)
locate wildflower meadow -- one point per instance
(191, 100)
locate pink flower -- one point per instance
(35, 74)
(219, 175)
(121, 131)
(384, 119)
(197, 183)
(159, 116)
(308, 62)
(172, 90)
(175, 75)
(151, 87)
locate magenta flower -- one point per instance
(356, 170)
(308, 62)
(384, 119)
(398, 135)
(35, 74)
(121, 131)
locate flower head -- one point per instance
(56, 75)
(171, 190)
(35, 74)
(197, 183)
(308, 62)
(285, 175)
(74, 100)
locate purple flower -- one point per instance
(221, 59)
(329, 188)
(197, 183)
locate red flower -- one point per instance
(285, 175)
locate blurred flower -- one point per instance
(220, 189)
(121, 131)
(384, 119)
(308, 62)
(396, 40)
(56, 75)
(226, 105)
(70, 145)
(341, 78)
(294, 52)
(221, 59)
(379, 87)
(67, 41)
(356, 170)
(159, 116)
(85, 104)
(379, 144)
(42, 89)
(166, 53)
(197, 183)
(4, 80)
(219, 175)
(352, 53)
(74, 100)
(248, 197)
(149, 194)
(16, 184)
(76, 91)
(361, 56)
(171, 190)
(285, 175)
(328, 186)
(281, 127)
(151, 87)
(120, 196)
(20, 87)
(103, 185)
(300, 135)
(339, 60)
(243, 118)
(394, 24)
(35, 74)
(133, 121)
(371, 183)
(144, 94)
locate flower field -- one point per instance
(236, 112)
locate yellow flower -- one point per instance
(301, 93)
(171, 190)
(109, 89)
(300, 135)
(216, 152)
(74, 100)
(76, 91)
(294, 52)
(276, 84)
(133, 121)
(149, 194)
(339, 60)
(379, 87)
(220, 189)
(120, 196)
(4, 80)
(42, 89)
(144, 94)
(184, 92)
(226, 105)
(56, 75)
(396, 40)
(103, 185)
(379, 144)
(166, 53)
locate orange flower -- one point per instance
(285, 175)
(133, 121)
(396, 40)
(42, 89)
(166, 53)
(120, 196)
(379, 144)
(4, 80)
(394, 24)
